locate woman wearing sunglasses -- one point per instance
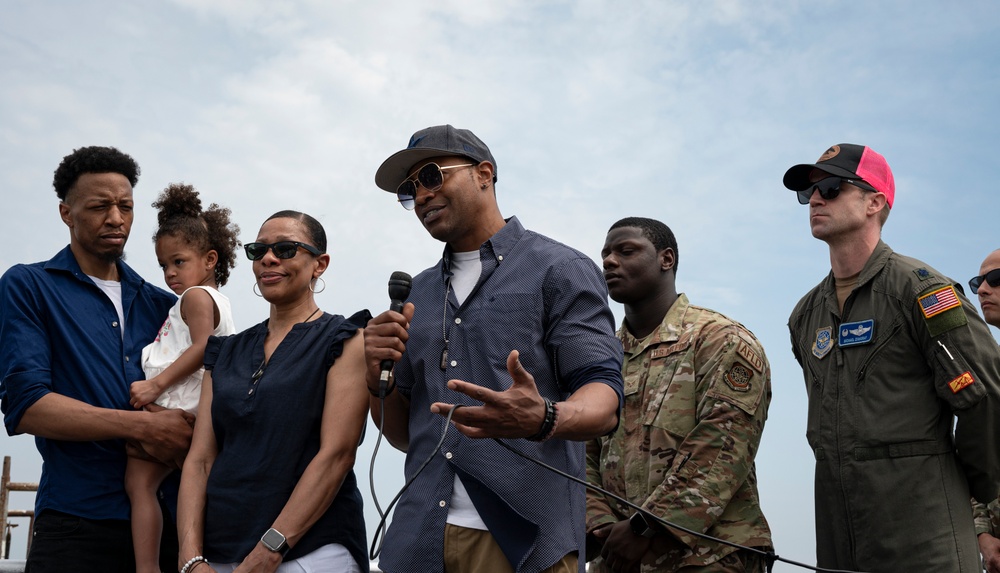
(268, 484)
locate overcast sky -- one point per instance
(688, 112)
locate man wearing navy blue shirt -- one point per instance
(72, 330)
(515, 328)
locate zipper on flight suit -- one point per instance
(871, 356)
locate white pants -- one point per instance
(332, 558)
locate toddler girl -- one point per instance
(196, 249)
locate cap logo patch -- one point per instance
(963, 381)
(738, 377)
(938, 301)
(829, 154)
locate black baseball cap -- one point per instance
(432, 142)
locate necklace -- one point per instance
(263, 363)
(444, 327)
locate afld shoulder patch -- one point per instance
(823, 343)
(942, 310)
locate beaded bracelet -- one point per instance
(192, 562)
(548, 423)
(555, 422)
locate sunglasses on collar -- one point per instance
(992, 278)
(829, 188)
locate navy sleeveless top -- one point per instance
(268, 430)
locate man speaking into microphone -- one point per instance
(515, 328)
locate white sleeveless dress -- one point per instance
(173, 339)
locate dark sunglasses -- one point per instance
(430, 176)
(992, 277)
(829, 188)
(281, 249)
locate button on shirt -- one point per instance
(549, 302)
(59, 333)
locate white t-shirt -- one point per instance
(465, 268)
(114, 291)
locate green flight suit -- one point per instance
(886, 381)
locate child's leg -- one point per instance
(142, 478)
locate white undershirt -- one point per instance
(114, 291)
(465, 269)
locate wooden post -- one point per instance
(4, 499)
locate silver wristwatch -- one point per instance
(273, 540)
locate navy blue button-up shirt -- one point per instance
(59, 333)
(549, 302)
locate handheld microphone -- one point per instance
(399, 289)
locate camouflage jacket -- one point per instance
(696, 396)
(987, 517)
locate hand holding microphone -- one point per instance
(385, 335)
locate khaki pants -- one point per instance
(475, 551)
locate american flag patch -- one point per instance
(934, 303)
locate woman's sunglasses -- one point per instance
(992, 278)
(829, 188)
(430, 176)
(281, 249)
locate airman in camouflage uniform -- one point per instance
(697, 389)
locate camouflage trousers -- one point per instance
(741, 561)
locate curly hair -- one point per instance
(313, 227)
(179, 214)
(658, 233)
(93, 159)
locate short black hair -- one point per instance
(179, 214)
(93, 159)
(315, 229)
(658, 233)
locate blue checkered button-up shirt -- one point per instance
(549, 302)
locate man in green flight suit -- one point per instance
(892, 352)
(697, 388)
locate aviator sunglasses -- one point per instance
(281, 249)
(992, 277)
(829, 188)
(430, 176)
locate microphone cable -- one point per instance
(770, 557)
(379, 537)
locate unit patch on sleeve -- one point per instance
(942, 310)
(824, 342)
(963, 381)
(738, 377)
